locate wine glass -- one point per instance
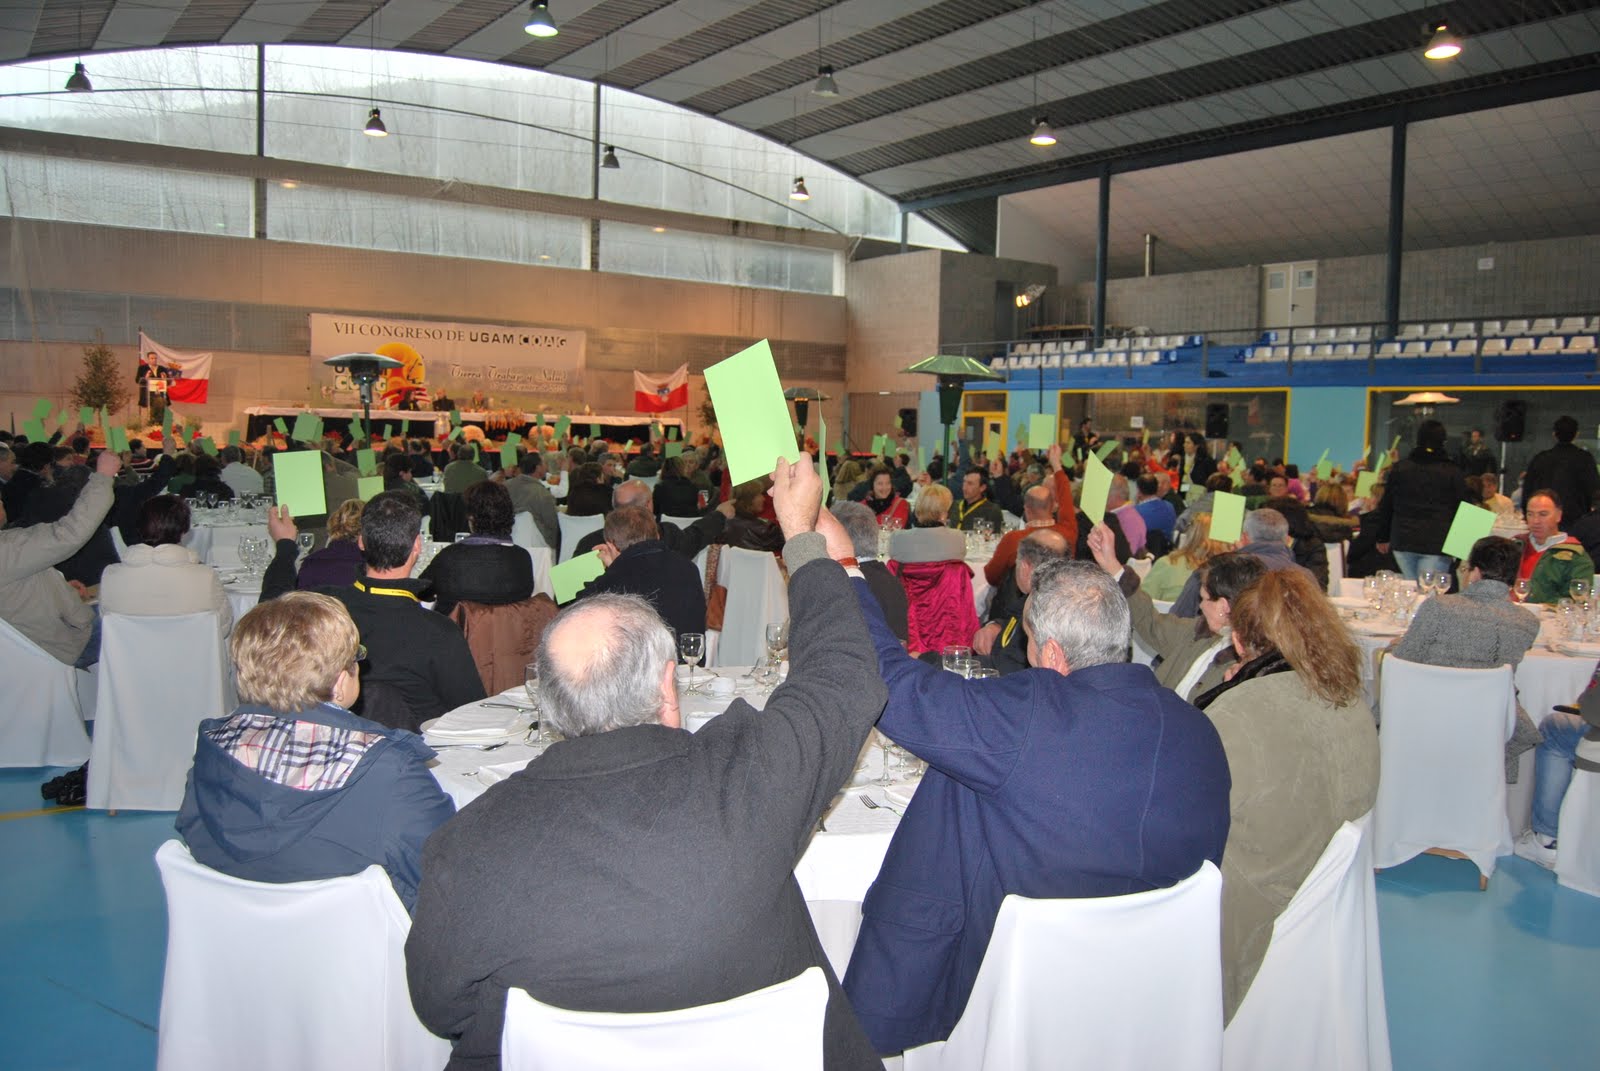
(1579, 590)
(305, 541)
(692, 646)
(777, 641)
(1426, 580)
(1521, 588)
(246, 550)
(530, 684)
(952, 654)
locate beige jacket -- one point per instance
(163, 582)
(1301, 768)
(1174, 639)
(34, 599)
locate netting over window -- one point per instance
(123, 195)
(709, 258)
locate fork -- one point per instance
(874, 805)
(471, 747)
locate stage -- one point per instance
(427, 424)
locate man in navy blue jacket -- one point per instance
(1079, 777)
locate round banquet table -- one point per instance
(839, 864)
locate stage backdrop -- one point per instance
(516, 367)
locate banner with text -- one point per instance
(511, 367)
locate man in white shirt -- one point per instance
(243, 479)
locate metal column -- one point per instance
(1102, 255)
(1397, 221)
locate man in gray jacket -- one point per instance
(531, 495)
(1266, 536)
(34, 598)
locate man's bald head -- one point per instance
(1038, 504)
(631, 493)
(604, 664)
(1043, 545)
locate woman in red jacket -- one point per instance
(891, 510)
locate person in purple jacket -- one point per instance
(1078, 777)
(338, 564)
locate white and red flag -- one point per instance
(659, 394)
(188, 375)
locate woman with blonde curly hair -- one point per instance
(1167, 577)
(339, 563)
(1302, 747)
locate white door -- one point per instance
(1289, 294)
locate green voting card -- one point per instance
(822, 459)
(86, 415)
(366, 462)
(34, 430)
(63, 417)
(388, 432)
(992, 446)
(1096, 489)
(283, 429)
(513, 439)
(455, 417)
(1364, 482)
(1472, 523)
(455, 433)
(672, 433)
(594, 431)
(105, 418)
(298, 476)
(1227, 516)
(233, 437)
(562, 424)
(1324, 467)
(922, 459)
(41, 409)
(508, 457)
(568, 578)
(367, 486)
(209, 445)
(1105, 448)
(1041, 431)
(539, 423)
(674, 449)
(754, 417)
(117, 439)
(305, 428)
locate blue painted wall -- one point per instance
(1327, 418)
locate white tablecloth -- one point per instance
(1543, 680)
(218, 544)
(982, 591)
(243, 594)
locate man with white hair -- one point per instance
(633, 867)
(1079, 777)
(1265, 536)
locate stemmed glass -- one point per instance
(530, 684)
(1426, 581)
(1579, 590)
(777, 644)
(305, 541)
(1521, 589)
(692, 646)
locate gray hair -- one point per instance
(631, 493)
(860, 525)
(1265, 526)
(1040, 546)
(616, 682)
(231, 455)
(1119, 490)
(1076, 604)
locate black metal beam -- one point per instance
(1397, 221)
(1102, 254)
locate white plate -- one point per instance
(1573, 649)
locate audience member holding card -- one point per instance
(1420, 503)
(638, 562)
(1265, 535)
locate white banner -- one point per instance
(512, 367)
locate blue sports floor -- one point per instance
(1503, 979)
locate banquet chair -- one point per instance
(574, 529)
(447, 515)
(118, 542)
(304, 975)
(1316, 1003)
(1578, 847)
(681, 522)
(524, 533)
(43, 722)
(939, 603)
(1115, 983)
(1441, 785)
(757, 597)
(778, 1028)
(159, 677)
(834, 875)
(503, 638)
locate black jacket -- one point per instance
(686, 541)
(753, 533)
(1570, 472)
(670, 582)
(1419, 502)
(676, 496)
(491, 573)
(588, 500)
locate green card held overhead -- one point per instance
(34, 430)
(1364, 482)
(105, 418)
(1105, 448)
(539, 423)
(86, 415)
(1472, 523)
(562, 424)
(367, 486)
(166, 421)
(513, 439)
(1022, 436)
(283, 429)
(822, 459)
(1235, 459)
(877, 446)
(305, 428)
(508, 457)
(358, 431)
(298, 476)
(627, 447)
(1227, 516)
(899, 425)
(1041, 431)
(41, 408)
(209, 445)
(455, 433)
(594, 431)
(672, 433)
(366, 461)
(233, 437)
(1394, 445)
(1096, 489)
(674, 449)
(992, 446)
(568, 578)
(749, 399)
(922, 459)
(1324, 467)
(388, 432)
(117, 439)
(455, 418)
(64, 417)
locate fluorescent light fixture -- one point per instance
(1443, 44)
(375, 127)
(826, 86)
(79, 81)
(540, 24)
(1042, 134)
(799, 193)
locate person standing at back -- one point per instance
(1566, 469)
(1420, 504)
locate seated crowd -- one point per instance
(1073, 772)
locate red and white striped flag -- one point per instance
(188, 375)
(660, 394)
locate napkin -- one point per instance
(900, 795)
(475, 724)
(500, 771)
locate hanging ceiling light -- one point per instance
(799, 193)
(608, 160)
(1042, 133)
(826, 86)
(540, 24)
(1443, 44)
(79, 82)
(375, 127)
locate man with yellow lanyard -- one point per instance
(1002, 644)
(421, 657)
(975, 505)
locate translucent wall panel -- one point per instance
(324, 216)
(709, 258)
(196, 98)
(123, 195)
(427, 135)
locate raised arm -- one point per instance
(26, 551)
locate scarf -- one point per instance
(1262, 665)
(880, 506)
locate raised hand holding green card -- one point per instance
(1096, 489)
(1471, 524)
(568, 578)
(366, 462)
(754, 417)
(298, 478)
(1041, 431)
(367, 486)
(1227, 516)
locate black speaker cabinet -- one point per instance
(1217, 420)
(1510, 420)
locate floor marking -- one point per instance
(40, 811)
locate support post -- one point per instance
(260, 228)
(1397, 222)
(1102, 255)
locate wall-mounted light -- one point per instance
(608, 159)
(79, 82)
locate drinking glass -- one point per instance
(692, 646)
(983, 673)
(247, 551)
(1579, 590)
(949, 656)
(460, 536)
(1521, 589)
(530, 684)
(777, 643)
(305, 541)
(1426, 580)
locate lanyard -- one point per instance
(966, 509)
(362, 586)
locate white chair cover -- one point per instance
(1119, 982)
(1442, 777)
(524, 533)
(649, 481)
(543, 559)
(118, 542)
(834, 875)
(159, 676)
(1578, 846)
(757, 597)
(1334, 552)
(43, 721)
(1317, 1002)
(574, 529)
(778, 1028)
(681, 522)
(309, 975)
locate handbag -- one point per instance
(716, 594)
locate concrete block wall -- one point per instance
(1221, 300)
